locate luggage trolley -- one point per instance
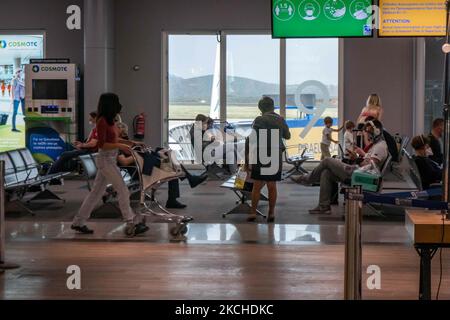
(169, 169)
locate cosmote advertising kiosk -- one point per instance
(51, 117)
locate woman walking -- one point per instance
(108, 171)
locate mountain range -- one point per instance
(240, 90)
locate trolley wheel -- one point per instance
(183, 229)
(179, 230)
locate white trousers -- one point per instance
(107, 173)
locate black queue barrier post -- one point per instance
(3, 264)
(446, 114)
(353, 247)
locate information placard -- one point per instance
(412, 18)
(321, 18)
(15, 53)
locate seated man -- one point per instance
(435, 141)
(64, 163)
(331, 171)
(213, 137)
(125, 159)
(429, 171)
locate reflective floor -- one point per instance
(208, 233)
(301, 256)
(140, 270)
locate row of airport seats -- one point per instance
(24, 175)
(390, 166)
(406, 170)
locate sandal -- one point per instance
(270, 219)
(251, 219)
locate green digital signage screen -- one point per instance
(321, 18)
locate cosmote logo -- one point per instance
(2, 44)
(36, 69)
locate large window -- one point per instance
(434, 67)
(253, 70)
(193, 62)
(300, 75)
(311, 91)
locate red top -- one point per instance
(106, 133)
(93, 135)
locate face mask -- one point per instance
(428, 152)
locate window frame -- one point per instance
(223, 73)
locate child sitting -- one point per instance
(349, 141)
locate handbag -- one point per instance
(241, 178)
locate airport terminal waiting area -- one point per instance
(208, 250)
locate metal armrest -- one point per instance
(27, 169)
(132, 176)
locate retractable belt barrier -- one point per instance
(395, 199)
(355, 197)
(353, 257)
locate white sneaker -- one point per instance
(129, 229)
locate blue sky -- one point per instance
(256, 57)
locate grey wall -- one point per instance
(380, 65)
(383, 66)
(48, 15)
(99, 49)
(138, 41)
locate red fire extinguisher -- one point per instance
(139, 126)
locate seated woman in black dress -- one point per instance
(268, 121)
(429, 171)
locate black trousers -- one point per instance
(174, 190)
(64, 163)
